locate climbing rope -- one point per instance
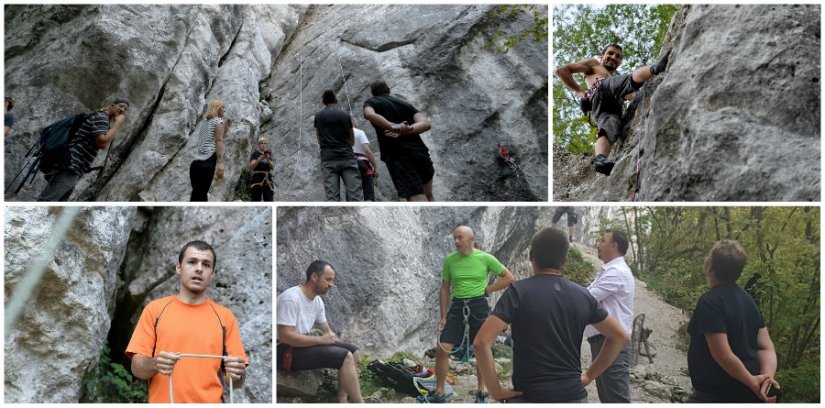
(465, 311)
(231, 396)
(346, 92)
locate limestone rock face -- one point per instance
(744, 128)
(270, 63)
(113, 262)
(388, 264)
(63, 327)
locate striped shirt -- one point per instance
(82, 147)
(206, 138)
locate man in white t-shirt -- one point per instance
(300, 309)
(366, 161)
(614, 288)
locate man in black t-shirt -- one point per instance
(261, 164)
(398, 126)
(547, 314)
(95, 134)
(731, 357)
(334, 133)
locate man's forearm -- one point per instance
(444, 302)
(143, 367)
(566, 78)
(484, 360)
(607, 355)
(767, 362)
(734, 367)
(301, 340)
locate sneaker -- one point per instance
(660, 66)
(603, 166)
(431, 399)
(481, 397)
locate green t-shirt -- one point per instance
(468, 274)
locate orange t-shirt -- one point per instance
(187, 329)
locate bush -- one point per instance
(112, 383)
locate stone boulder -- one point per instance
(63, 328)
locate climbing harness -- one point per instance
(265, 183)
(465, 311)
(223, 359)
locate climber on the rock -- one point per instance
(188, 322)
(605, 93)
(398, 126)
(300, 311)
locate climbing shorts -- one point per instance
(312, 357)
(607, 105)
(571, 216)
(453, 332)
(410, 172)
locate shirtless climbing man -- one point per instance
(606, 91)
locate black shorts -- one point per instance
(453, 332)
(571, 216)
(607, 105)
(409, 173)
(312, 357)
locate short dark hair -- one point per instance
(200, 246)
(549, 248)
(379, 87)
(727, 260)
(611, 45)
(329, 97)
(620, 239)
(10, 101)
(317, 267)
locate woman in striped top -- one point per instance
(209, 157)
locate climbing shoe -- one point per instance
(482, 397)
(431, 399)
(660, 66)
(603, 166)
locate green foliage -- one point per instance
(580, 32)
(782, 246)
(501, 41)
(577, 269)
(242, 190)
(112, 383)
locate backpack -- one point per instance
(52, 148)
(395, 375)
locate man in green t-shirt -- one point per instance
(465, 274)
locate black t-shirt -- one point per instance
(8, 120)
(333, 124)
(263, 165)
(396, 110)
(547, 315)
(726, 309)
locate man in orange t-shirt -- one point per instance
(188, 323)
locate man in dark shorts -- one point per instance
(571, 219)
(333, 130)
(547, 315)
(465, 277)
(8, 118)
(731, 357)
(398, 126)
(300, 309)
(94, 135)
(606, 92)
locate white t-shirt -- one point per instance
(360, 139)
(296, 310)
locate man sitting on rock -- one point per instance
(188, 323)
(731, 357)
(547, 315)
(605, 95)
(300, 309)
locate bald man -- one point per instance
(465, 276)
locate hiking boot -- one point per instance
(481, 397)
(603, 166)
(660, 66)
(431, 399)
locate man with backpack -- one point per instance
(189, 322)
(96, 132)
